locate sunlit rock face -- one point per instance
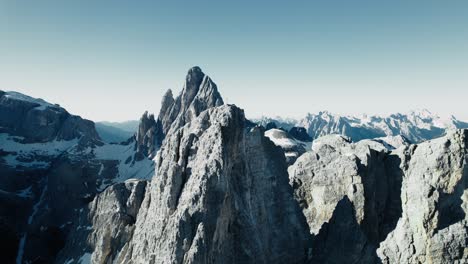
(365, 203)
(433, 227)
(198, 94)
(221, 196)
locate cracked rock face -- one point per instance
(365, 203)
(433, 227)
(147, 137)
(199, 93)
(221, 196)
(343, 189)
(105, 225)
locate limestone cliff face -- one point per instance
(220, 196)
(106, 225)
(345, 191)
(147, 137)
(434, 223)
(367, 204)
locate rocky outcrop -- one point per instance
(433, 227)
(148, 137)
(343, 189)
(367, 203)
(221, 195)
(199, 93)
(105, 225)
(38, 121)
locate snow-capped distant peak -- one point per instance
(416, 126)
(423, 113)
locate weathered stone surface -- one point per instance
(221, 196)
(105, 225)
(199, 93)
(147, 137)
(343, 189)
(410, 202)
(433, 227)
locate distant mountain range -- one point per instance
(116, 131)
(416, 126)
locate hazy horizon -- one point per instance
(113, 60)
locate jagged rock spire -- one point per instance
(199, 94)
(146, 137)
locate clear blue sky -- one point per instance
(111, 60)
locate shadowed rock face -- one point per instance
(402, 206)
(199, 93)
(106, 224)
(300, 133)
(52, 164)
(433, 227)
(347, 186)
(38, 121)
(221, 196)
(341, 240)
(147, 140)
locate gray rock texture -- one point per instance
(198, 94)
(106, 224)
(221, 195)
(147, 141)
(343, 188)
(433, 227)
(365, 203)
